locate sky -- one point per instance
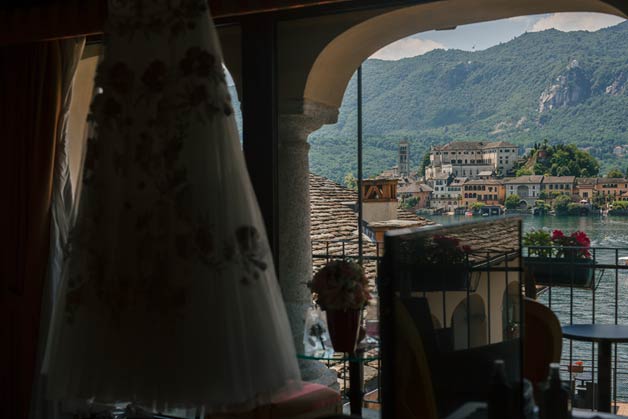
(479, 36)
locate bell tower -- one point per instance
(403, 160)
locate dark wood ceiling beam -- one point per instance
(40, 20)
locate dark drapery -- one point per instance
(30, 103)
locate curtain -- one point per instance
(33, 89)
(61, 218)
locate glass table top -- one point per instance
(364, 352)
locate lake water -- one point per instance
(597, 305)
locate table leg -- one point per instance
(604, 377)
(356, 372)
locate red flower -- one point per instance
(557, 234)
(581, 238)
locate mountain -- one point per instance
(566, 87)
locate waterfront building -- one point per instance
(554, 185)
(600, 187)
(447, 192)
(470, 158)
(487, 191)
(527, 187)
(585, 188)
(611, 187)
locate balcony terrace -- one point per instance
(582, 293)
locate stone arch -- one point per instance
(469, 323)
(338, 59)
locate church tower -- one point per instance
(403, 162)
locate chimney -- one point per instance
(379, 199)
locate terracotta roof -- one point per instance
(499, 144)
(586, 180)
(559, 179)
(473, 145)
(484, 182)
(611, 180)
(414, 188)
(524, 179)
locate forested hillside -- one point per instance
(564, 87)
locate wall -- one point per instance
(490, 288)
(379, 211)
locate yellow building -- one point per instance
(487, 191)
(585, 188)
(611, 188)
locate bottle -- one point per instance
(555, 396)
(499, 401)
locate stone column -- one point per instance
(295, 249)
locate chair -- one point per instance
(543, 341)
(414, 395)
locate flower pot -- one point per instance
(442, 277)
(343, 328)
(561, 272)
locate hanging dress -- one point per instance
(170, 296)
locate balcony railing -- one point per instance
(600, 301)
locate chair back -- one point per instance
(414, 395)
(543, 341)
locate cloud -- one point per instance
(576, 21)
(407, 47)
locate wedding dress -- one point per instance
(169, 296)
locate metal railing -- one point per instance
(572, 300)
(598, 302)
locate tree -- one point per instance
(566, 160)
(523, 172)
(512, 201)
(351, 182)
(476, 206)
(614, 173)
(561, 204)
(410, 203)
(424, 163)
(542, 207)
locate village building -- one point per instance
(488, 192)
(420, 191)
(611, 187)
(585, 188)
(470, 158)
(599, 187)
(528, 188)
(447, 192)
(555, 185)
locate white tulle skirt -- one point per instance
(169, 298)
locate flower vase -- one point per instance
(343, 328)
